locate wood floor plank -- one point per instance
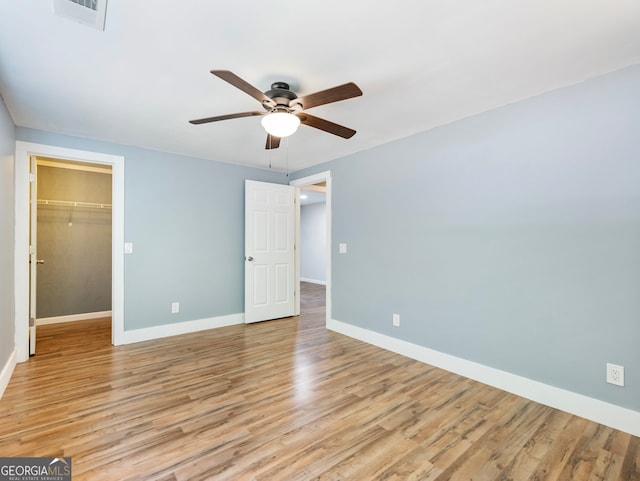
(285, 400)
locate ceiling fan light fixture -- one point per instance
(280, 124)
(284, 109)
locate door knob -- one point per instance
(249, 258)
(40, 261)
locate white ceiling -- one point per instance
(420, 64)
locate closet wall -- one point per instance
(74, 241)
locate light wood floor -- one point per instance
(285, 400)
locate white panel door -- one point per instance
(269, 251)
(33, 253)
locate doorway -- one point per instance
(25, 152)
(74, 224)
(319, 183)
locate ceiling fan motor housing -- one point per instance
(281, 94)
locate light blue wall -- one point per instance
(185, 218)
(313, 242)
(511, 238)
(7, 285)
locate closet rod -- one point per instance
(71, 203)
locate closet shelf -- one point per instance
(71, 203)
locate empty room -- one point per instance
(278, 240)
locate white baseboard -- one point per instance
(73, 317)
(158, 332)
(596, 410)
(7, 371)
(313, 281)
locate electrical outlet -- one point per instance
(396, 320)
(615, 374)
(175, 307)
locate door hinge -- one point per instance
(32, 321)
(32, 177)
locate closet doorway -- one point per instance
(24, 178)
(74, 243)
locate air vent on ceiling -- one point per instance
(92, 4)
(87, 12)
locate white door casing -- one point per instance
(311, 180)
(24, 151)
(269, 251)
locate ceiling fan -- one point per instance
(284, 111)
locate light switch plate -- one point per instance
(128, 247)
(342, 248)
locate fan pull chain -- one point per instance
(287, 156)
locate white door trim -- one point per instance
(24, 150)
(310, 180)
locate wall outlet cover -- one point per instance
(615, 374)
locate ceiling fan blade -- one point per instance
(335, 94)
(246, 87)
(225, 117)
(272, 142)
(327, 126)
